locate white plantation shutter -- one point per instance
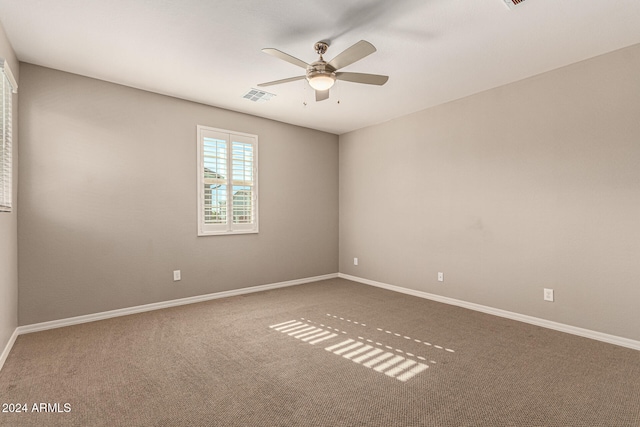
(243, 181)
(215, 156)
(8, 87)
(227, 182)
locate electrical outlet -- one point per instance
(440, 277)
(355, 261)
(176, 275)
(548, 294)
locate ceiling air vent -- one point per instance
(513, 3)
(257, 95)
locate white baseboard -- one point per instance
(160, 305)
(7, 348)
(599, 336)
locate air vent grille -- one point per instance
(513, 3)
(257, 95)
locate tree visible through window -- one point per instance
(227, 182)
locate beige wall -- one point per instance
(528, 186)
(531, 185)
(8, 224)
(108, 200)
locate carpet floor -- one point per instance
(330, 353)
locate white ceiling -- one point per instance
(210, 51)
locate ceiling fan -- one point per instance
(321, 75)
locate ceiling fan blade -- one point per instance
(321, 95)
(354, 53)
(277, 82)
(285, 57)
(368, 79)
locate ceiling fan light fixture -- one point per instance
(321, 81)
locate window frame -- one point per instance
(229, 227)
(9, 87)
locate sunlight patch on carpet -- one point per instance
(375, 355)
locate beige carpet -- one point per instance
(331, 353)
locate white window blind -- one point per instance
(227, 182)
(8, 87)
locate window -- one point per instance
(8, 87)
(227, 182)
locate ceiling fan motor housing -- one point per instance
(322, 74)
